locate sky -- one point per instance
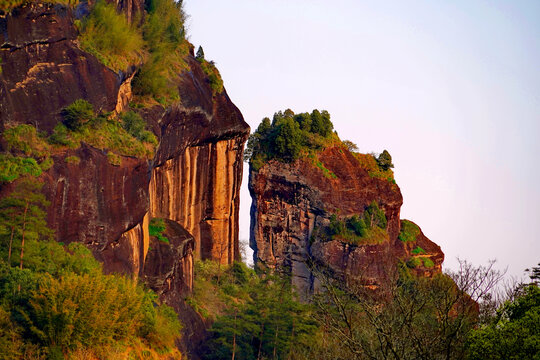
(450, 88)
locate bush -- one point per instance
(107, 35)
(368, 229)
(409, 231)
(156, 228)
(418, 251)
(72, 160)
(12, 168)
(77, 114)
(135, 125)
(164, 38)
(60, 136)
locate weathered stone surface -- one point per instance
(95, 202)
(168, 269)
(198, 168)
(43, 70)
(290, 200)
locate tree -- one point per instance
(385, 160)
(22, 213)
(514, 332)
(352, 147)
(200, 54)
(405, 317)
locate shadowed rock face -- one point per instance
(168, 267)
(290, 200)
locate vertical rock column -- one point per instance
(199, 189)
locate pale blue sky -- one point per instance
(450, 88)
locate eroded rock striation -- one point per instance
(291, 200)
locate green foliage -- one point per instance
(12, 167)
(200, 54)
(62, 303)
(60, 136)
(414, 262)
(419, 251)
(77, 114)
(25, 139)
(254, 315)
(72, 160)
(385, 160)
(514, 333)
(428, 263)
(371, 164)
(409, 231)
(288, 136)
(107, 35)
(156, 228)
(135, 125)
(127, 137)
(214, 77)
(368, 229)
(164, 39)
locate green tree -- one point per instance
(514, 333)
(23, 215)
(385, 160)
(200, 54)
(288, 139)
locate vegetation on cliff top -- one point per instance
(290, 136)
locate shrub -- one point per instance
(428, 263)
(106, 133)
(156, 228)
(214, 77)
(77, 114)
(135, 125)
(72, 160)
(414, 262)
(107, 34)
(11, 167)
(418, 251)
(25, 139)
(409, 231)
(164, 38)
(60, 136)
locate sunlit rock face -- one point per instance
(291, 200)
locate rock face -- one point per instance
(193, 181)
(291, 200)
(198, 171)
(43, 70)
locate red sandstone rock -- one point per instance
(290, 200)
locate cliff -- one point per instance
(293, 204)
(192, 180)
